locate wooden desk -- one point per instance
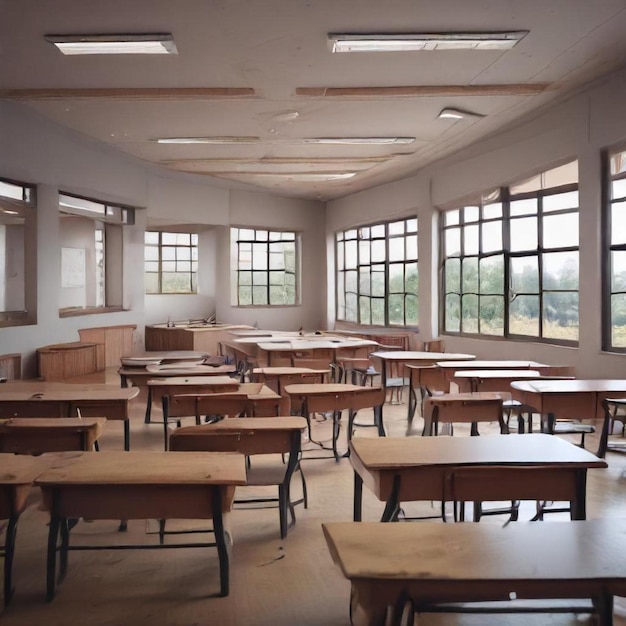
(139, 485)
(532, 467)
(139, 376)
(36, 435)
(491, 379)
(278, 377)
(17, 474)
(325, 397)
(449, 369)
(188, 335)
(39, 399)
(429, 564)
(578, 398)
(142, 359)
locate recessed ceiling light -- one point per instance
(159, 43)
(458, 114)
(400, 42)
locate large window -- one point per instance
(171, 262)
(377, 275)
(510, 261)
(264, 267)
(615, 259)
(18, 270)
(91, 254)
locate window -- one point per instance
(377, 277)
(171, 262)
(510, 261)
(614, 327)
(264, 268)
(18, 251)
(91, 239)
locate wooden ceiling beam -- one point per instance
(166, 93)
(418, 91)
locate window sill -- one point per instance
(76, 312)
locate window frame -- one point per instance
(364, 233)
(274, 236)
(192, 274)
(508, 220)
(608, 248)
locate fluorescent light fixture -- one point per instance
(457, 114)
(348, 141)
(159, 43)
(401, 42)
(303, 177)
(209, 140)
(10, 212)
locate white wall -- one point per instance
(578, 128)
(39, 152)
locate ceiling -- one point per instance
(263, 68)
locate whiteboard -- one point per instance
(73, 268)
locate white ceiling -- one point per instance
(274, 47)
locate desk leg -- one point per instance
(578, 508)
(358, 498)
(378, 419)
(127, 434)
(392, 506)
(65, 543)
(604, 437)
(53, 536)
(604, 608)
(336, 429)
(9, 551)
(220, 540)
(148, 415)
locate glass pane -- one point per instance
(183, 254)
(364, 232)
(411, 226)
(560, 316)
(364, 252)
(452, 275)
(618, 188)
(183, 239)
(411, 278)
(183, 266)
(351, 257)
(492, 315)
(277, 260)
(9, 190)
(450, 218)
(151, 237)
(618, 320)
(259, 256)
(560, 270)
(396, 309)
(618, 270)
(469, 322)
(471, 214)
(364, 281)
(524, 234)
(396, 228)
(411, 247)
(492, 210)
(396, 249)
(245, 278)
(452, 243)
(351, 308)
(524, 207)
(340, 260)
(245, 295)
(364, 310)
(151, 253)
(560, 231)
(259, 278)
(169, 266)
(172, 282)
(378, 281)
(378, 250)
(168, 239)
(525, 274)
(411, 309)
(259, 295)
(246, 234)
(396, 278)
(492, 275)
(491, 236)
(152, 266)
(452, 320)
(378, 310)
(558, 201)
(351, 278)
(470, 275)
(262, 235)
(617, 162)
(618, 223)
(378, 231)
(277, 295)
(524, 316)
(168, 254)
(471, 239)
(277, 278)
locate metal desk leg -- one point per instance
(358, 498)
(148, 407)
(9, 551)
(220, 540)
(392, 506)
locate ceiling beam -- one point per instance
(416, 91)
(165, 93)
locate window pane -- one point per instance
(396, 250)
(471, 239)
(491, 236)
(492, 210)
(351, 307)
(245, 296)
(452, 242)
(151, 237)
(618, 189)
(340, 259)
(560, 231)
(452, 275)
(168, 239)
(525, 274)
(378, 281)
(396, 278)
(364, 310)
(378, 311)
(351, 278)
(560, 270)
(378, 251)
(618, 223)
(618, 320)
(524, 316)
(560, 316)
(451, 218)
(277, 278)
(524, 234)
(364, 281)
(171, 282)
(470, 313)
(492, 275)
(259, 295)
(471, 214)
(411, 247)
(396, 309)
(351, 257)
(378, 231)
(524, 207)
(259, 278)
(245, 278)
(168, 254)
(452, 319)
(396, 228)
(470, 275)
(259, 256)
(568, 200)
(277, 295)
(492, 315)
(364, 252)
(169, 266)
(151, 254)
(151, 283)
(618, 270)
(411, 309)
(411, 226)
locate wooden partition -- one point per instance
(11, 366)
(112, 343)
